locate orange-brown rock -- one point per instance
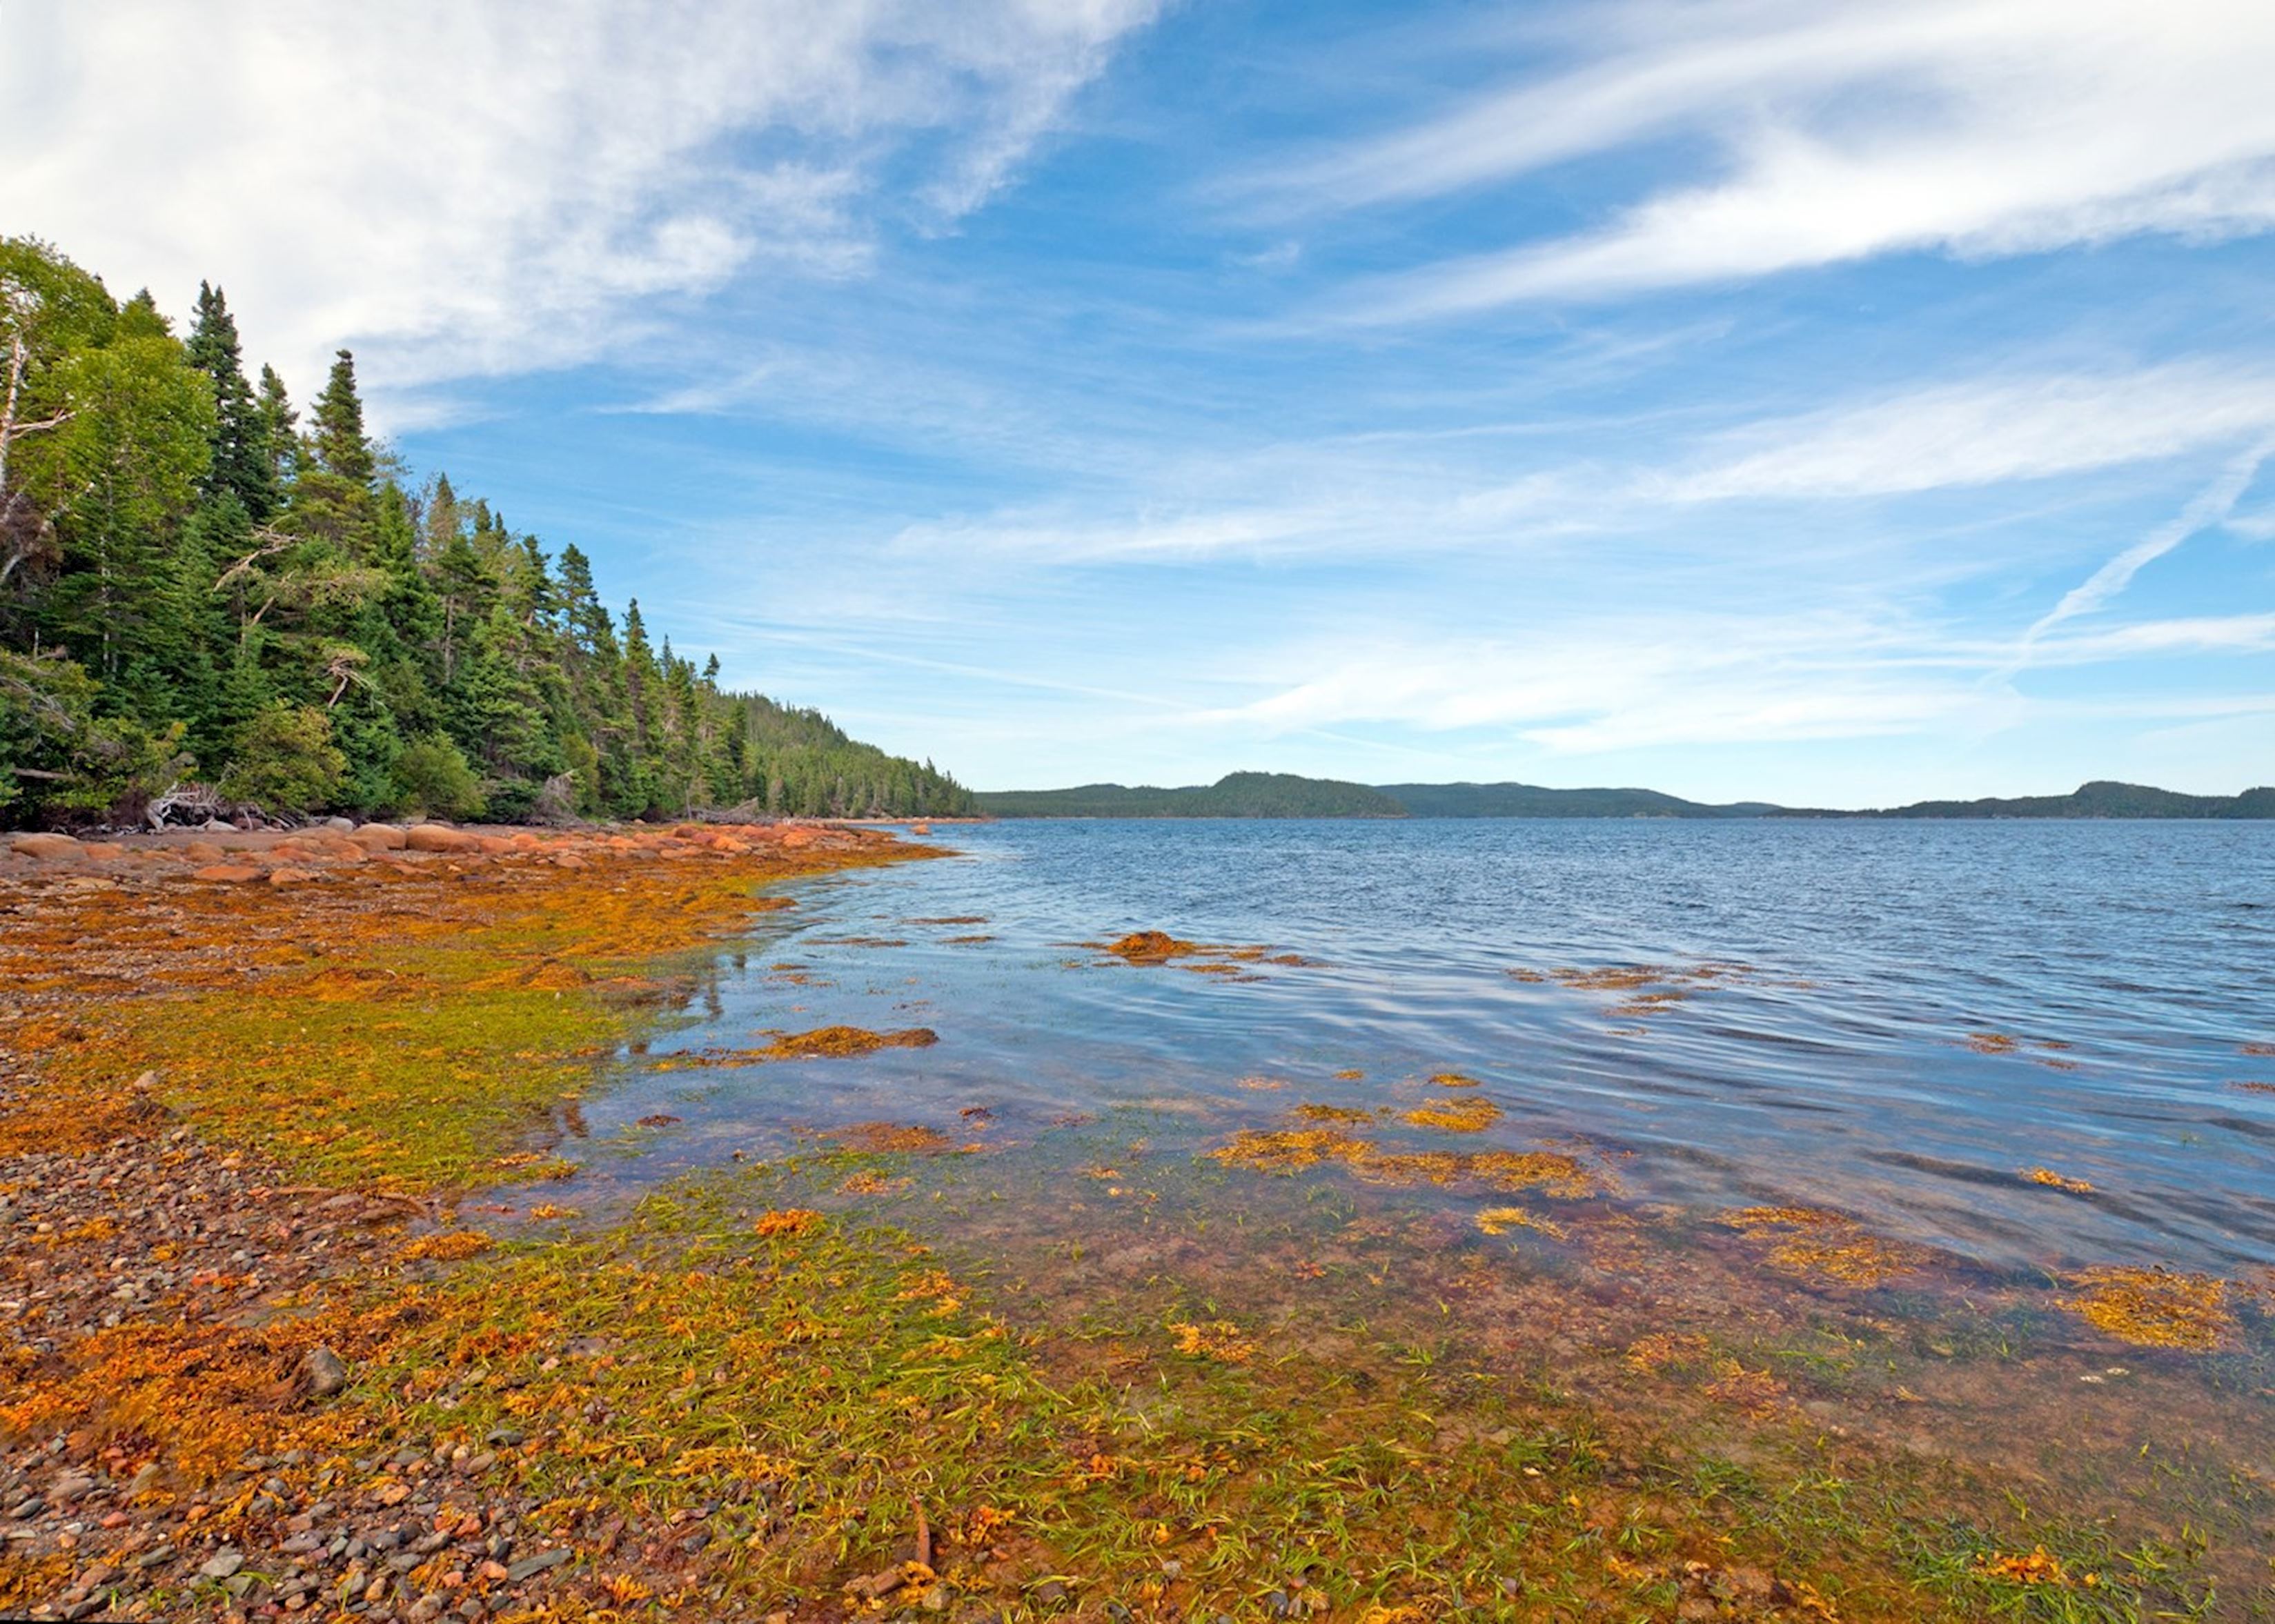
(439, 837)
(290, 876)
(203, 851)
(380, 837)
(104, 850)
(227, 874)
(48, 846)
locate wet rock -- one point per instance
(227, 874)
(530, 1567)
(325, 1371)
(874, 1585)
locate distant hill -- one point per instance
(2098, 799)
(1236, 795)
(1531, 801)
(1285, 795)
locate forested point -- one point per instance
(207, 605)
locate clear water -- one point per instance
(1832, 1054)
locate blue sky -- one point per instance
(1831, 403)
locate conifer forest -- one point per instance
(214, 599)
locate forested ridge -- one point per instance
(207, 595)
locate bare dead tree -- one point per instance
(24, 533)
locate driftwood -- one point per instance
(202, 801)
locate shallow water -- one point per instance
(1890, 1019)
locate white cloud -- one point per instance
(1984, 431)
(1588, 685)
(1841, 131)
(2187, 635)
(1398, 496)
(467, 188)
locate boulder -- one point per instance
(51, 846)
(340, 826)
(290, 876)
(439, 837)
(104, 850)
(203, 851)
(380, 837)
(229, 873)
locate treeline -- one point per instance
(203, 595)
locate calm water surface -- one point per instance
(1887, 1018)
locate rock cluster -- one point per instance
(231, 857)
(156, 1227)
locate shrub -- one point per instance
(285, 760)
(433, 779)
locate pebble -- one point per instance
(325, 1371)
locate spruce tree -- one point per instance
(243, 461)
(336, 427)
(278, 424)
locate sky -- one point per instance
(1832, 402)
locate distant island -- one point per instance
(1286, 794)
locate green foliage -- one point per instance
(433, 779)
(188, 568)
(60, 759)
(285, 760)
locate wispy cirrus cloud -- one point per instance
(1824, 133)
(1597, 685)
(465, 189)
(1406, 497)
(1984, 430)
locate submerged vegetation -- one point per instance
(205, 600)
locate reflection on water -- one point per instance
(1904, 1022)
(1909, 1132)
